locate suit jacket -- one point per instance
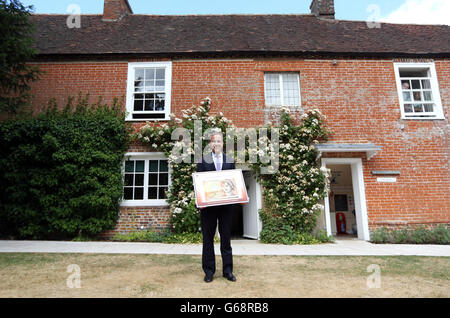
(206, 166)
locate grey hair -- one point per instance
(216, 132)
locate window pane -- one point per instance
(163, 179)
(149, 104)
(153, 166)
(153, 179)
(272, 85)
(138, 104)
(149, 73)
(427, 96)
(152, 192)
(407, 96)
(407, 72)
(160, 73)
(418, 108)
(428, 108)
(163, 167)
(291, 90)
(129, 180)
(159, 104)
(417, 96)
(415, 84)
(408, 108)
(406, 84)
(426, 84)
(159, 85)
(128, 193)
(129, 166)
(162, 194)
(138, 193)
(139, 74)
(139, 179)
(140, 165)
(139, 83)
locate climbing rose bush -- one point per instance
(293, 188)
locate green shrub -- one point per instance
(380, 235)
(441, 234)
(421, 235)
(162, 237)
(275, 231)
(61, 171)
(400, 236)
(142, 236)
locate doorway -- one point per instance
(246, 223)
(340, 198)
(345, 207)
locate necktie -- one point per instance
(218, 162)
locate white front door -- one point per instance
(359, 195)
(252, 223)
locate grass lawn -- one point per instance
(118, 275)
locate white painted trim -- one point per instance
(130, 88)
(258, 200)
(281, 83)
(370, 149)
(258, 206)
(359, 194)
(439, 113)
(145, 202)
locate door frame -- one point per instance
(359, 194)
(257, 205)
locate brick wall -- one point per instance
(359, 98)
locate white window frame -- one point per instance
(145, 156)
(280, 78)
(438, 111)
(130, 90)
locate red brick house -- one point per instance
(385, 91)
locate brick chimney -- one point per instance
(114, 10)
(322, 8)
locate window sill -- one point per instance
(423, 118)
(146, 119)
(281, 106)
(153, 203)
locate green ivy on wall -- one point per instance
(61, 171)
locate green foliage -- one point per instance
(61, 170)
(276, 231)
(292, 194)
(161, 237)
(16, 48)
(185, 215)
(142, 236)
(380, 235)
(421, 235)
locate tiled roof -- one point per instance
(153, 34)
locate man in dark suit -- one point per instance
(217, 160)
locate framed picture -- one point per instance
(223, 187)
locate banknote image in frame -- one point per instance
(213, 188)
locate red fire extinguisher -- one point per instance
(340, 223)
